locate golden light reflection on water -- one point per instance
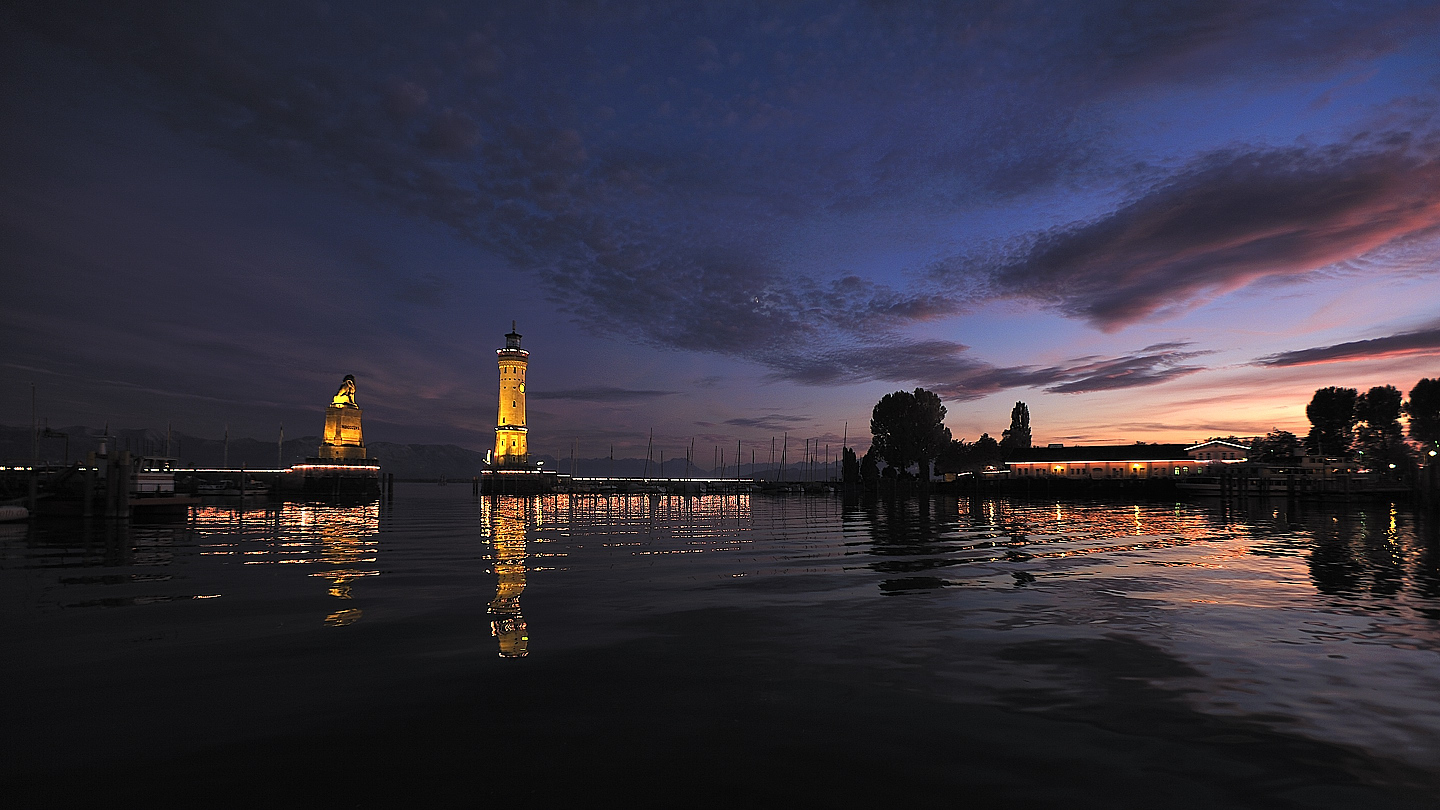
(340, 618)
(343, 541)
(507, 520)
(696, 517)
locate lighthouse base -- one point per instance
(518, 481)
(333, 478)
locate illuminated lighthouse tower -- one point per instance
(510, 445)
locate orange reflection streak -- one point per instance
(705, 516)
(508, 523)
(340, 538)
(340, 618)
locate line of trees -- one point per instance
(963, 456)
(1348, 424)
(908, 430)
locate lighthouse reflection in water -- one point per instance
(508, 520)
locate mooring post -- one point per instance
(122, 486)
(88, 507)
(111, 462)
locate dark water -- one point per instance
(739, 651)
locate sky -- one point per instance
(715, 221)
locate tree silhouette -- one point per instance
(1277, 447)
(985, 452)
(1017, 436)
(849, 467)
(953, 457)
(1380, 440)
(1424, 412)
(909, 429)
(1332, 421)
(870, 469)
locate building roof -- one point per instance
(1101, 452)
(1209, 442)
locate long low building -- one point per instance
(1108, 461)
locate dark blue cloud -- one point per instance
(774, 421)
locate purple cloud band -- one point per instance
(947, 368)
(1231, 219)
(1421, 342)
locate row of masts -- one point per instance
(808, 468)
(144, 446)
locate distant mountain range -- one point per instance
(404, 460)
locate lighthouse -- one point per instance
(511, 449)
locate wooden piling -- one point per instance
(88, 506)
(122, 486)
